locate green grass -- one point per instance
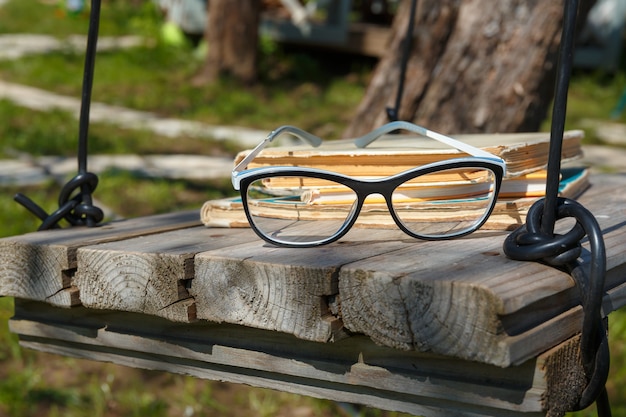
(126, 193)
(15, 219)
(56, 133)
(117, 18)
(595, 95)
(130, 196)
(592, 97)
(317, 92)
(157, 79)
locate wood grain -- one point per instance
(41, 265)
(460, 298)
(290, 290)
(148, 274)
(378, 318)
(452, 299)
(351, 370)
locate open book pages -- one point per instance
(516, 197)
(391, 154)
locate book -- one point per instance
(448, 176)
(529, 185)
(509, 212)
(523, 153)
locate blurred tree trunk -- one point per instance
(232, 38)
(475, 66)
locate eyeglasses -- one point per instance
(305, 207)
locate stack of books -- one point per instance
(525, 154)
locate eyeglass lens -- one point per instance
(307, 209)
(445, 203)
(291, 209)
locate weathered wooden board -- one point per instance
(40, 266)
(432, 328)
(477, 305)
(351, 370)
(170, 275)
(460, 298)
(148, 274)
(464, 298)
(290, 290)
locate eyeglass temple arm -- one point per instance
(365, 140)
(299, 133)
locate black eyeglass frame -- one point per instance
(364, 188)
(243, 177)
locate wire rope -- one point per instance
(75, 199)
(536, 240)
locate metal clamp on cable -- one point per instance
(75, 202)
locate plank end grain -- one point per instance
(263, 292)
(36, 272)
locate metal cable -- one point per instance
(75, 200)
(393, 113)
(562, 251)
(536, 240)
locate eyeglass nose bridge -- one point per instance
(368, 189)
(365, 190)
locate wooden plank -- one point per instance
(290, 290)
(564, 376)
(460, 298)
(353, 370)
(452, 299)
(149, 274)
(40, 266)
(303, 293)
(445, 297)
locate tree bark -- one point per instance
(475, 66)
(232, 37)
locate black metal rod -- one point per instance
(88, 75)
(559, 110)
(394, 114)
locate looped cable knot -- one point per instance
(78, 192)
(75, 204)
(529, 243)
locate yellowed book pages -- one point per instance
(508, 213)
(444, 176)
